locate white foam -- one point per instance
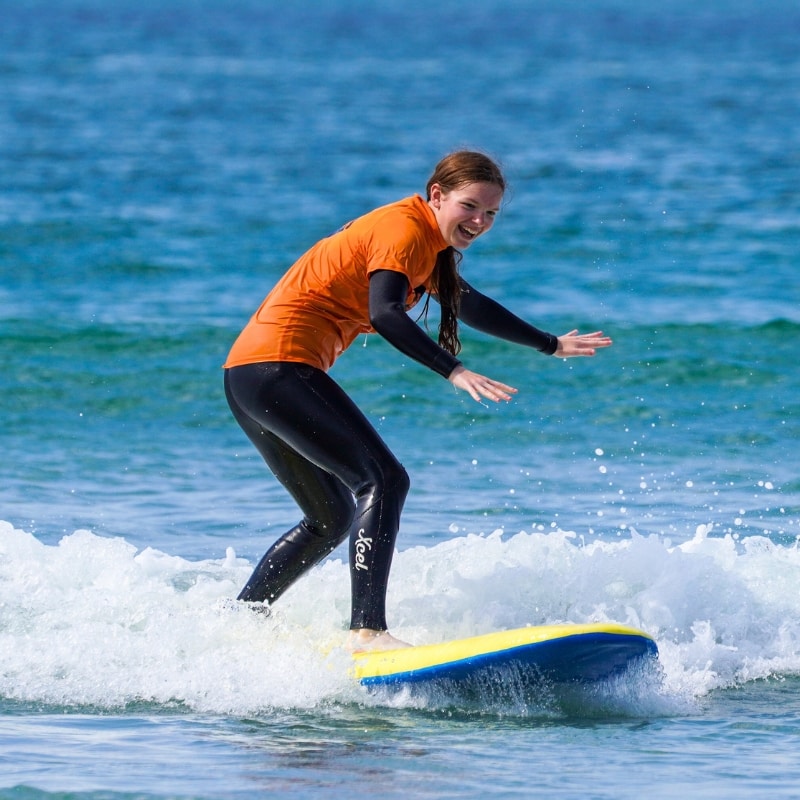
(92, 621)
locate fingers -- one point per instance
(480, 387)
(581, 344)
(490, 390)
(494, 390)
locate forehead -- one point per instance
(485, 194)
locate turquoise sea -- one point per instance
(163, 162)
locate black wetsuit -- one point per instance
(331, 459)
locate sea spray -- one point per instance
(92, 621)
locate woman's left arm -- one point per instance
(488, 316)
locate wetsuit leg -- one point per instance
(325, 451)
(328, 508)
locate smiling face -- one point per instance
(466, 212)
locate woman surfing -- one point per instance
(317, 442)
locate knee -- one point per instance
(402, 481)
(393, 480)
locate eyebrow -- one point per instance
(470, 199)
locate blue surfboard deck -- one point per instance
(556, 654)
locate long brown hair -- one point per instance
(452, 172)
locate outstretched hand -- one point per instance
(480, 386)
(580, 344)
(569, 345)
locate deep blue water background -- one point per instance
(161, 164)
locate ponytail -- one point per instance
(445, 284)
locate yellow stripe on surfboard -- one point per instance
(411, 659)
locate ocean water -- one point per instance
(162, 163)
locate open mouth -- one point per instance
(468, 233)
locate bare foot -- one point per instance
(365, 639)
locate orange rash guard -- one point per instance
(321, 304)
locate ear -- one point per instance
(436, 194)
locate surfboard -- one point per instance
(552, 654)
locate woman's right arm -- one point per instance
(387, 313)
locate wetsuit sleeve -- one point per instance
(486, 315)
(388, 291)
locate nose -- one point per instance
(483, 218)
